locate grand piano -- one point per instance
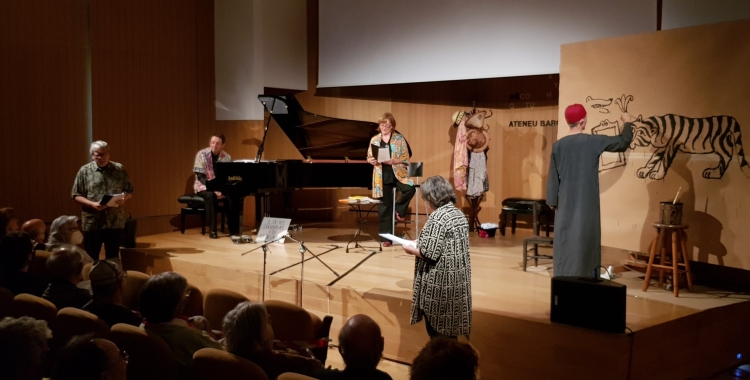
(335, 152)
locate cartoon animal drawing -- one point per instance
(671, 133)
(599, 104)
(609, 128)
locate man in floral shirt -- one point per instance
(102, 224)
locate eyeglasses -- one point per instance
(123, 355)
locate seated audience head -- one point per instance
(36, 229)
(107, 280)
(86, 358)
(23, 347)
(64, 264)
(437, 192)
(360, 343)
(247, 329)
(445, 358)
(15, 252)
(162, 297)
(8, 221)
(65, 229)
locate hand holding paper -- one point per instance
(112, 200)
(384, 154)
(399, 240)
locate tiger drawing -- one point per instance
(672, 133)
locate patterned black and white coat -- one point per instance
(442, 280)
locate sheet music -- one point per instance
(110, 200)
(384, 154)
(399, 240)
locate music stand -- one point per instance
(265, 253)
(302, 249)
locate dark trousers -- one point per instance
(385, 208)
(233, 207)
(110, 237)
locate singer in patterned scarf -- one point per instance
(205, 171)
(442, 268)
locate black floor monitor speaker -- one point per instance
(586, 302)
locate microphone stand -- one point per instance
(265, 254)
(302, 250)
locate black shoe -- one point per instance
(213, 235)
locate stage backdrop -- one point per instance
(688, 88)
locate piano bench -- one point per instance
(196, 206)
(524, 206)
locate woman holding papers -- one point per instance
(389, 154)
(442, 270)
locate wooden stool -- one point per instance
(679, 249)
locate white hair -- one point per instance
(59, 230)
(96, 145)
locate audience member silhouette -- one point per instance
(106, 283)
(248, 334)
(65, 230)
(361, 347)
(86, 358)
(64, 267)
(15, 257)
(37, 231)
(23, 344)
(8, 221)
(162, 296)
(444, 358)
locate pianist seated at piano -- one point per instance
(391, 173)
(205, 172)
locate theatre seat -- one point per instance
(210, 364)
(292, 323)
(195, 205)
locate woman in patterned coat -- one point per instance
(442, 270)
(389, 174)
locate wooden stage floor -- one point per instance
(692, 336)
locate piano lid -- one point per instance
(319, 137)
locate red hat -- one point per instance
(574, 113)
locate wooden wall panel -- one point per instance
(42, 110)
(145, 93)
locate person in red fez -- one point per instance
(573, 192)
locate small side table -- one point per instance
(679, 250)
(362, 213)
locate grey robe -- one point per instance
(573, 187)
